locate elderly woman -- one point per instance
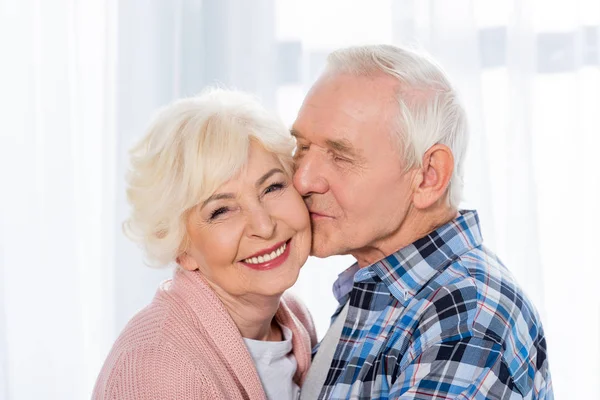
(210, 190)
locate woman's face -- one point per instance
(252, 235)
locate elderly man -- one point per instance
(427, 311)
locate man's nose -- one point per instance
(308, 177)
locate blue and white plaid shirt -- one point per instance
(439, 319)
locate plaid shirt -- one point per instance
(440, 319)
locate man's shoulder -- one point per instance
(477, 296)
(500, 300)
(477, 291)
(506, 315)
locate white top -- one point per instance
(276, 366)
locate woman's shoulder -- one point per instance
(167, 319)
(147, 325)
(153, 349)
(146, 371)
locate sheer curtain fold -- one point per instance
(57, 189)
(3, 326)
(521, 194)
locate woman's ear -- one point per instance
(187, 262)
(435, 176)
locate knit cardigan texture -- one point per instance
(184, 345)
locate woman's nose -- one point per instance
(262, 224)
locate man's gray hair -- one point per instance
(430, 111)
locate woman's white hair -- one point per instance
(430, 111)
(192, 147)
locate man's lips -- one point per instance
(315, 214)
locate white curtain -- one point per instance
(80, 79)
(57, 158)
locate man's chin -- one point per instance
(319, 254)
(321, 251)
(326, 243)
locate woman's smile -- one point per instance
(269, 258)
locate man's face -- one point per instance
(348, 167)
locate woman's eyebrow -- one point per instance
(266, 176)
(218, 196)
(229, 196)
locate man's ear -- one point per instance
(187, 262)
(431, 185)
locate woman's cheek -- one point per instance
(302, 213)
(294, 212)
(223, 242)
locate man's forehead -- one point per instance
(332, 136)
(337, 120)
(345, 100)
(340, 87)
(333, 140)
(342, 128)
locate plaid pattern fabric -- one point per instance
(439, 319)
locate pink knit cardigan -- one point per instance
(184, 345)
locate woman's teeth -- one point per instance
(266, 257)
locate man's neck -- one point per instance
(416, 225)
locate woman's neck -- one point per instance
(253, 314)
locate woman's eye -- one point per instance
(275, 187)
(218, 212)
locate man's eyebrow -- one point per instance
(269, 174)
(342, 146)
(296, 134)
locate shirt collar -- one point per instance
(343, 284)
(407, 270)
